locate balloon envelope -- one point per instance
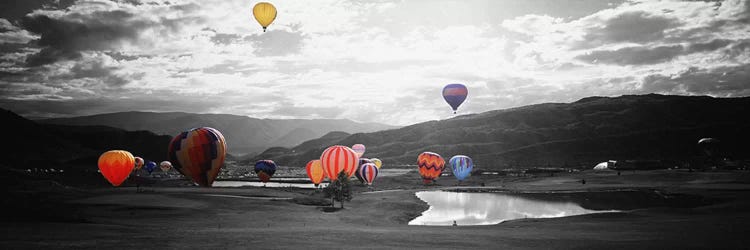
(265, 169)
(264, 13)
(165, 166)
(199, 154)
(116, 165)
(455, 94)
(336, 159)
(150, 166)
(378, 163)
(359, 149)
(461, 166)
(315, 171)
(430, 165)
(357, 174)
(368, 171)
(138, 163)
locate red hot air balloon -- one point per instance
(199, 154)
(339, 158)
(430, 165)
(116, 165)
(315, 172)
(368, 171)
(139, 163)
(455, 94)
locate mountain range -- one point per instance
(244, 135)
(579, 134)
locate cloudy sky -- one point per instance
(370, 61)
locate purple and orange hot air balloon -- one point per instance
(430, 165)
(336, 159)
(265, 169)
(198, 154)
(455, 94)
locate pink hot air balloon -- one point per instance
(359, 149)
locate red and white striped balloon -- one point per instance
(339, 158)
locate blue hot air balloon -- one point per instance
(150, 166)
(455, 94)
(362, 161)
(265, 169)
(461, 166)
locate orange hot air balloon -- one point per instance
(431, 165)
(336, 159)
(199, 154)
(116, 165)
(315, 172)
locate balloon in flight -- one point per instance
(461, 166)
(138, 163)
(378, 162)
(359, 149)
(116, 165)
(455, 94)
(165, 166)
(150, 166)
(265, 169)
(264, 13)
(430, 165)
(315, 172)
(199, 154)
(336, 159)
(368, 171)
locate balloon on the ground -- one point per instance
(336, 159)
(430, 165)
(359, 149)
(138, 163)
(368, 171)
(150, 166)
(265, 169)
(199, 154)
(116, 165)
(362, 161)
(165, 166)
(710, 146)
(455, 94)
(378, 163)
(264, 13)
(461, 166)
(315, 172)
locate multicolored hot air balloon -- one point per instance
(362, 161)
(165, 166)
(336, 159)
(199, 154)
(265, 169)
(461, 166)
(264, 13)
(455, 94)
(359, 149)
(150, 166)
(138, 163)
(378, 162)
(368, 171)
(430, 165)
(315, 172)
(116, 165)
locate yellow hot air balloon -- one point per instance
(378, 163)
(264, 13)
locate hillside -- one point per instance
(244, 135)
(578, 134)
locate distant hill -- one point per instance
(244, 135)
(578, 134)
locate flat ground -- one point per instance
(698, 210)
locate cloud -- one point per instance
(633, 55)
(633, 26)
(728, 81)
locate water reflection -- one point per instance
(261, 184)
(489, 208)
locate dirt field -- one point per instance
(698, 210)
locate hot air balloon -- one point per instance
(315, 172)
(138, 163)
(359, 149)
(368, 171)
(461, 166)
(264, 13)
(150, 166)
(710, 146)
(362, 161)
(116, 165)
(378, 162)
(199, 154)
(165, 166)
(336, 159)
(455, 94)
(265, 169)
(430, 165)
